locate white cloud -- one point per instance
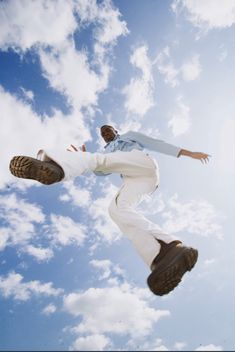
(68, 70)
(223, 55)
(28, 94)
(117, 310)
(191, 69)
(180, 345)
(110, 27)
(108, 271)
(19, 218)
(207, 14)
(208, 262)
(139, 92)
(49, 309)
(12, 286)
(41, 254)
(188, 71)
(148, 345)
(167, 68)
(198, 217)
(78, 196)
(96, 342)
(180, 121)
(104, 266)
(25, 23)
(157, 345)
(65, 231)
(210, 347)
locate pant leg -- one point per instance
(139, 230)
(134, 163)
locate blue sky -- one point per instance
(69, 279)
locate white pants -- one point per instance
(140, 178)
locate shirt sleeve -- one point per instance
(153, 144)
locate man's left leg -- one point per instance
(164, 254)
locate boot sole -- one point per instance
(164, 282)
(30, 168)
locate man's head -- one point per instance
(108, 133)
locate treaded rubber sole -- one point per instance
(166, 281)
(31, 168)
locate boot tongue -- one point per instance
(165, 247)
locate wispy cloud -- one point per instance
(108, 271)
(96, 342)
(207, 14)
(39, 253)
(223, 54)
(208, 262)
(19, 218)
(139, 92)
(49, 309)
(28, 94)
(75, 194)
(156, 345)
(12, 286)
(180, 121)
(191, 69)
(180, 345)
(188, 71)
(166, 67)
(103, 266)
(64, 231)
(196, 216)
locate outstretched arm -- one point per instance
(203, 157)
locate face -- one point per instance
(108, 133)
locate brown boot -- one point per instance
(46, 172)
(169, 266)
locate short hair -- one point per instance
(107, 126)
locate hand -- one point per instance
(203, 157)
(72, 148)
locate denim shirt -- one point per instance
(136, 140)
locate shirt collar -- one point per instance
(116, 137)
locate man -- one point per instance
(166, 256)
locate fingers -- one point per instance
(74, 148)
(205, 158)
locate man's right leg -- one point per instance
(134, 163)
